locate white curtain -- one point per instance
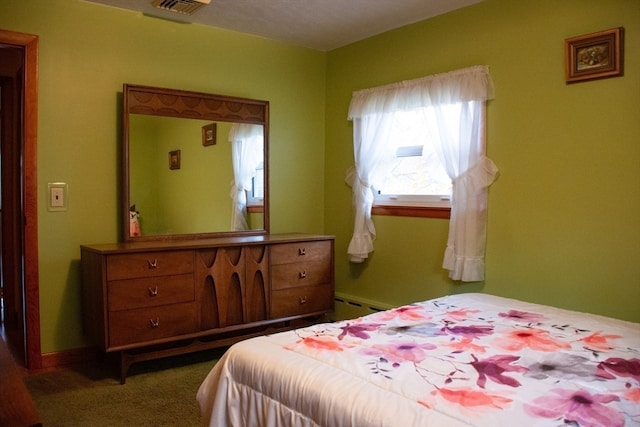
(247, 145)
(460, 140)
(372, 159)
(461, 144)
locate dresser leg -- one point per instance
(125, 363)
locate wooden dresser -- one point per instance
(147, 300)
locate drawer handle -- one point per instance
(153, 292)
(155, 323)
(302, 274)
(153, 264)
(303, 300)
(302, 251)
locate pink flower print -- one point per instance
(358, 330)
(318, 343)
(494, 368)
(473, 331)
(466, 344)
(522, 315)
(409, 313)
(577, 407)
(461, 314)
(597, 341)
(398, 352)
(617, 367)
(468, 398)
(535, 339)
(633, 395)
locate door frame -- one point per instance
(31, 293)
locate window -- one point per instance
(255, 195)
(247, 146)
(416, 175)
(452, 110)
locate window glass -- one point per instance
(417, 175)
(256, 195)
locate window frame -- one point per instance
(411, 205)
(255, 204)
(418, 211)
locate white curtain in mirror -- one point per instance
(247, 153)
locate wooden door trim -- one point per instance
(30, 134)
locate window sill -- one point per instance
(255, 209)
(413, 211)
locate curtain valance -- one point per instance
(242, 131)
(468, 84)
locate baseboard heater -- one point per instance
(350, 307)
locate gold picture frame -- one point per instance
(594, 56)
(174, 159)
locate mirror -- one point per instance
(195, 165)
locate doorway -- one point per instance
(11, 268)
(18, 212)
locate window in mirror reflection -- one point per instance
(255, 198)
(247, 142)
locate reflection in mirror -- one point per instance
(193, 177)
(158, 188)
(247, 159)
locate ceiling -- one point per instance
(318, 24)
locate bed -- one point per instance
(460, 360)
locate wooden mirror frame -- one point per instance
(156, 101)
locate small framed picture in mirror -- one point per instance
(174, 159)
(209, 134)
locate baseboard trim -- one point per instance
(60, 359)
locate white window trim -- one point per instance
(432, 201)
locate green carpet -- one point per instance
(156, 393)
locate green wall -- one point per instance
(564, 215)
(87, 52)
(159, 192)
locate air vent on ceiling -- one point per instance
(186, 7)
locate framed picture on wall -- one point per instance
(209, 134)
(174, 159)
(594, 56)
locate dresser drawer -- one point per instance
(301, 300)
(287, 253)
(130, 266)
(148, 324)
(300, 274)
(150, 292)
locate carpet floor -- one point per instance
(156, 393)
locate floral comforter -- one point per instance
(461, 360)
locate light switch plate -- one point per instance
(57, 196)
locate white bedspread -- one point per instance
(461, 360)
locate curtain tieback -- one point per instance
(352, 178)
(480, 175)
